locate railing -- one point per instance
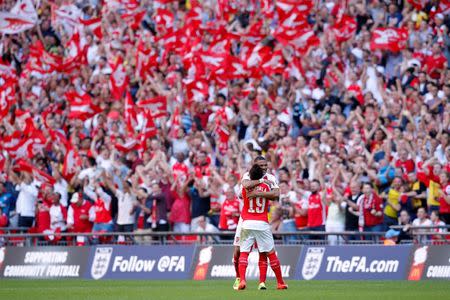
(18, 237)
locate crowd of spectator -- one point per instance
(356, 134)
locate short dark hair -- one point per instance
(256, 172)
(258, 158)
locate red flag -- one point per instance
(81, 106)
(275, 65)
(345, 29)
(391, 39)
(134, 18)
(2, 160)
(39, 175)
(7, 97)
(119, 79)
(72, 162)
(236, 68)
(157, 106)
(145, 58)
(286, 8)
(130, 113)
(176, 121)
(94, 25)
(197, 90)
(164, 18)
(149, 129)
(128, 146)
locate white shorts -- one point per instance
(263, 238)
(237, 235)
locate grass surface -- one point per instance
(329, 290)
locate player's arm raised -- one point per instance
(272, 195)
(249, 184)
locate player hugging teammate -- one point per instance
(258, 188)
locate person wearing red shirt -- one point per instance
(180, 212)
(256, 228)
(436, 63)
(407, 165)
(316, 210)
(371, 210)
(229, 212)
(80, 216)
(444, 199)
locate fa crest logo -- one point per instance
(100, 263)
(312, 262)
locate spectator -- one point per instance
(351, 206)
(7, 198)
(181, 208)
(392, 204)
(230, 212)
(371, 210)
(444, 200)
(58, 214)
(126, 205)
(205, 227)
(316, 209)
(405, 232)
(436, 221)
(156, 201)
(26, 201)
(422, 221)
(286, 207)
(80, 216)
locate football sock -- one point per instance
(262, 264)
(243, 262)
(275, 265)
(236, 264)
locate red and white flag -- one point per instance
(12, 23)
(345, 29)
(128, 146)
(149, 129)
(236, 68)
(164, 18)
(7, 98)
(94, 25)
(156, 105)
(176, 123)
(130, 113)
(66, 15)
(22, 16)
(275, 65)
(72, 162)
(118, 79)
(390, 39)
(81, 106)
(39, 175)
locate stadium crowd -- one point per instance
(123, 115)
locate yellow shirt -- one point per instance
(433, 193)
(393, 199)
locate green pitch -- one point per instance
(198, 290)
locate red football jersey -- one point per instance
(255, 208)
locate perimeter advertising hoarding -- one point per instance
(140, 262)
(430, 263)
(216, 262)
(43, 262)
(353, 263)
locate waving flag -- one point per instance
(118, 79)
(81, 106)
(94, 25)
(130, 113)
(345, 29)
(41, 176)
(72, 162)
(391, 39)
(22, 16)
(157, 106)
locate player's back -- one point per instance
(255, 209)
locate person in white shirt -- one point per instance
(61, 187)
(421, 220)
(26, 200)
(126, 204)
(58, 214)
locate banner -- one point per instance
(216, 262)
(353, 263)
(430, 262)
(140, 262)
(43, 262)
